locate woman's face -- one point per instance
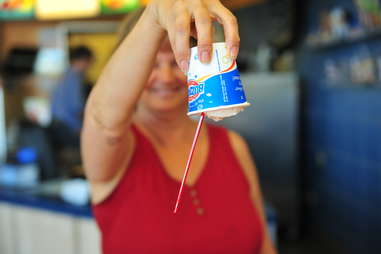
(167, 85)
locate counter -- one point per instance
(34, 199)
(39, 222)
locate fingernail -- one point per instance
(205, 56)
(184, 66)
(234, 52)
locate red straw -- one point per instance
(189, 161)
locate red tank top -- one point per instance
(216, 215)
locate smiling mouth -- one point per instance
(165, 91)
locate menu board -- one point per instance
(16, 9)
(118, 6)
(64, 9)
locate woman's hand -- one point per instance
(177, 17)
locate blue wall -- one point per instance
(342, 145)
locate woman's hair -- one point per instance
(129, 23)
(133, 17)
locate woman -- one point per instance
(137, 136)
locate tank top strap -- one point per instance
(222, 149)
(141, 140)
(138, 135)
(219, 137)
(143, 146)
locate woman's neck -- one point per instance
(165, 127)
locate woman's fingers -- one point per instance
(230, 24)
(204, 27)
(177, 17)
(181, 35)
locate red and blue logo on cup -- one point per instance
(212, 91)
(195, 90)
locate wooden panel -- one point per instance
(21, 34)
(88, 237)
(40, 232)
(1, 37)
(25, 33)
(7, 234)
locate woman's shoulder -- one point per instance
(216, 129)
(236, 141)
(232, 135)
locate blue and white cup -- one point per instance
(215, 88)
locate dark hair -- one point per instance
(80, 52)
(18, 64)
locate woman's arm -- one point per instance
(242, 151)
(107, 145)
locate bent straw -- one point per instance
(189, 160)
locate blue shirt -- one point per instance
(68, 100)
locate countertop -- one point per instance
(35, 198)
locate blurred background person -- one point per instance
(68, 99)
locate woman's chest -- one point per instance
(232, 227)
(173, 160)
